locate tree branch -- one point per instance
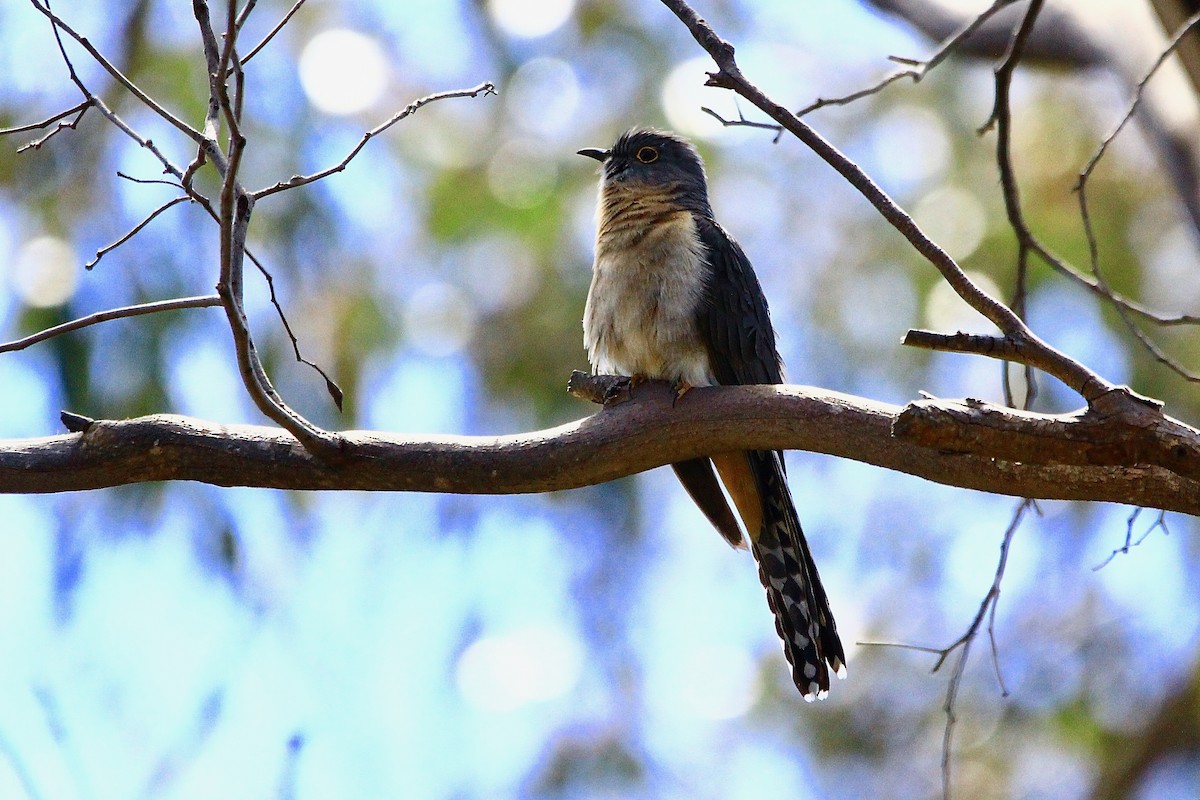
(485, 88)
(202, 301)
(130, 86)
(1037, 352)
(646, 432)
(916, 70)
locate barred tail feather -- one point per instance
(794, 591)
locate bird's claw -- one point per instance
(680, 388)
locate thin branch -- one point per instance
(1019, 307)
(742, 122)
(331, 386)
(244, 14)
(150, 181)
(91, 98)
(1124, 309)
(1160, 523)
(1001, 109)
(36, 144)
(1038, 353)
(226, 63)
(1139, 90)
(987, 608)
(78, 110)
(286, 18)
(1001, 116)
(134, 230)
(1027, 241)
(37, 126)
(335, 391)
(119, 76)
(977, 343)
(233, 212)
(210, 144)
(203, 301)
(917, 70)
(847, 99)
(300, 180)
(648, 431)
(1103, 291)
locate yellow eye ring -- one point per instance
(647, 154)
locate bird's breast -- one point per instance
(648, 281)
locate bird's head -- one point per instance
(644, 158)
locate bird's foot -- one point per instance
(680, 387)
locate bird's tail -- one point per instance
(794, 592)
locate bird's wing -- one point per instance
(736, 326)
(735, 321)
(696, 475)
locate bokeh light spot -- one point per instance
(947, 312)
(343, 71)
(911, 146)
(505, 672)
(45, 272)
(530, 19)
(720, 682)
(684, 93)
(520, 175)
(543, 96)
(954, 218)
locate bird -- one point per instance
(673, 297)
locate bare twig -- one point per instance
(1001, 116)
(987, 608)
(78, 110)
(300, 180)
(335, 391)
(331, 385)
(233, 211)
(1124, 309)
(94, 100)
(1160, 522)
(149, 181)
(917, 69)
(134, 230)
(1104, 292)
(1028, 242)
(979, 344)
(271, 35)
(742, 122)
(1139, 90)
(130, 86)
(244, 14)
(37, 126)
(203, 301)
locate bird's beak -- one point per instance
(596, 153)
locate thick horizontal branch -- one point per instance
(645, 432)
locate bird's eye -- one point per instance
(647, 155)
